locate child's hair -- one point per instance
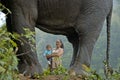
(48, 46)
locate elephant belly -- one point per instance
(58, 12)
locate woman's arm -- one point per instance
(57, 54)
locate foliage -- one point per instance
(109, 74)
(59, 70)
(8, 59)
(115, 76)
(30, 35)
(8, 50)
(2, 7)
(95, 76)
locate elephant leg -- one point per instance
(25, 17)
(28, 60)
(74, 40)
(83, 47)
(83, 44)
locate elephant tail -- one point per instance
(108, 20)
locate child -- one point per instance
(48, 51)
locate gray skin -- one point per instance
(80, 21)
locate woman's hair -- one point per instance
(62, 45)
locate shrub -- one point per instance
(8, 59)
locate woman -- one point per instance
(57, 54)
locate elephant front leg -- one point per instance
(25, 17)
(83, 46)
(28, 60)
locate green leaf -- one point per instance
(2, 69)
(13, 43)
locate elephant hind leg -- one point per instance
(74, 40)
(87, 31)
(83, 46)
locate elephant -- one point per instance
(80, 21)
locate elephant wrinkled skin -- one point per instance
(80, 21)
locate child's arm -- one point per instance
(44, 54)
(48, 56)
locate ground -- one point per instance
(51, 77)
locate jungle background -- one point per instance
(99, 52)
